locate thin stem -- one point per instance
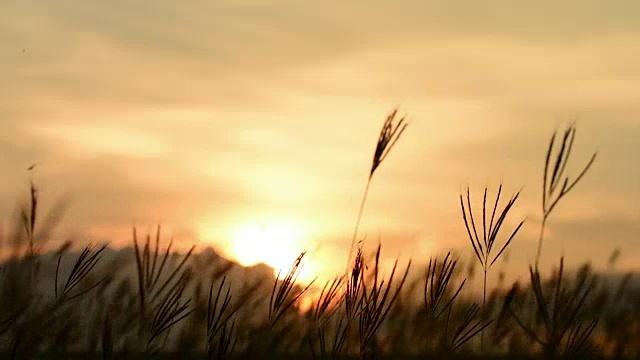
(355, 231)
(540, 240)
(484, 304)
(484, 290)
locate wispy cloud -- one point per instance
(203, 113)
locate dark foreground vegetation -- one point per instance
(149, 301)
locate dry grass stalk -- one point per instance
(440, 296)
(483, 244)
(81, 269)
(328, 301)
(555, 185)
(281, 296)
(29, 218)
(437, 286)
(352, 296)
(559, 309)
(219, 314)
(162, 303)
(389, 135)
(377, 300)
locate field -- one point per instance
(150, 301)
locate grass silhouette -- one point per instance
(554, 176)
(390, 133)
(149, 302)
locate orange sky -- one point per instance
(215, 117)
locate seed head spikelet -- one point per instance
(555, 184)
(389, 135)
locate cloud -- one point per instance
(90, 139)
(205, 112)
(108, 52)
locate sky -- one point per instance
(250, 125)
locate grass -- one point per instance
(161, 293)
(483, 246)
(554, 175)
(147, 301)
(390, 133)
(439, 302)
(558, 309)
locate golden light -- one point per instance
(276, 244)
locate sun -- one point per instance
(276, 244)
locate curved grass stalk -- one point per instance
(389, 135)
(552, 191)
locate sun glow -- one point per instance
(276, 244)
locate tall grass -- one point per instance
(440, 295)
(559, 310)
(483, 245)
(390, 133)
(282, 296)
(220, 341)
(555, 185)
(557, 327)
(161, 290)
(376, 301)
(149, 301)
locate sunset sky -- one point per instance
(216, 117)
